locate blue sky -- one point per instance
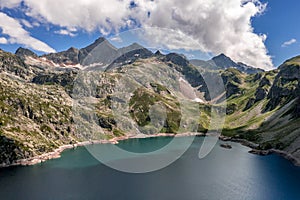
(281, 24)
(228, 27)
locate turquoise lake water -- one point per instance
(224, 174)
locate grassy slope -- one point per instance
(38, 118)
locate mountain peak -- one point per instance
(97, 42)
(221, 56)
(100, 40)
(224, 61)
(22, 53)
(295, 61)
(136, 45)
(133, 47)
(158, 53)
(177, 59)
(72, 49)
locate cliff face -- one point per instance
(12, 64)
(10, 151)
(34, 119)
(267, 110)
(286, 86)
(37, 99)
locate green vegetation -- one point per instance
(143, 99)
(36, 113)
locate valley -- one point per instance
(42, 107)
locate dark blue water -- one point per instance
(224, 174)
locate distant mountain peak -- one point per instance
(222, 61)
(100, 40)
(222, 56)
(72, 49)
(177, 59)
(23, 52)
(104, 50)
(133, 46)
(137, 46)
(97, 42)
(158, 53)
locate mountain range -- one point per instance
(223, 62)
(37, 98)
(102, 53)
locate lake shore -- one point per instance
(57, 152)
(256, 151)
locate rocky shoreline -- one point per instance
(257, 151)
(57, 152)
(51, 155)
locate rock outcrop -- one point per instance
(38, 94)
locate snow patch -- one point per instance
(183, 80)
(198, 100)
(48, 63)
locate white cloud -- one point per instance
(86, 14)
(3, 40)
(9, 3)
(65, 32)
(116, 39)
(166, 38)
(26, 23)
(17, 34)
(35, 24)
(213, 26)
(288, 43)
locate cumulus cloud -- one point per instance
(167, 38)
(16, 34)
(89, 15)
(288, 43)
(214, 26)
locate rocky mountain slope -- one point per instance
(42, 104)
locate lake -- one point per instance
(224, 174)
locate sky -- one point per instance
(259, 33)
